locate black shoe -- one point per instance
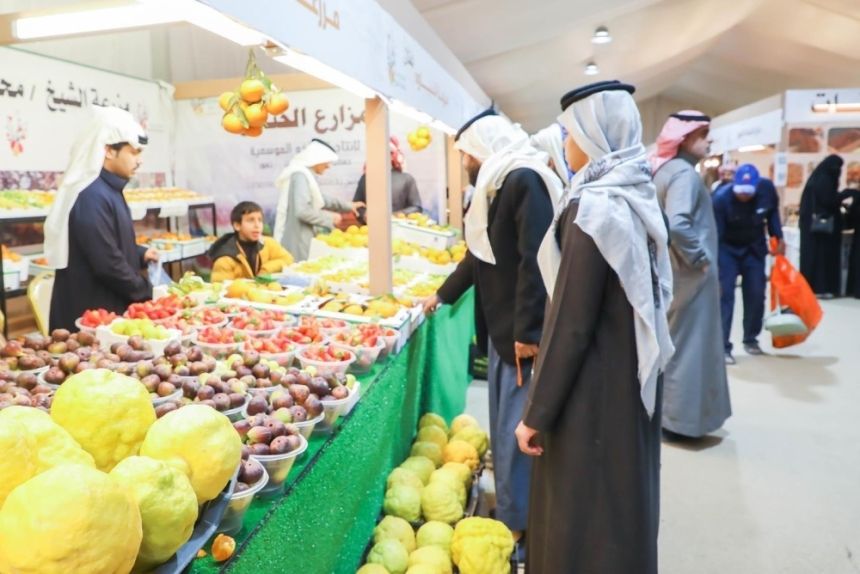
(753, 349)
(730, 359)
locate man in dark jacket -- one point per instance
(510, 212)
(743, 211)
(89, 234)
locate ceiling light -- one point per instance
(314, 67)
(601, 36)
(749, 148)
(591, 69)
(144, 13)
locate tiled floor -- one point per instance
(777, 491)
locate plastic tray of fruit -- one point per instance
(365, 356)
(437, 239)
(207, 525)
(355, 309)
(161, 337)
(326, 360)
(252, 478)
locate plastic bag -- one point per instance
(791, 290)
(157, 275)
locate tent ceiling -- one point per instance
(707, 54)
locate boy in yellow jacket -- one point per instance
(246, 253)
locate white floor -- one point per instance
(777, 491)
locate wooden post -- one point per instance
(456, 183)
(378, 177)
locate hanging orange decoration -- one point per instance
(247, 109)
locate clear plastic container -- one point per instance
(332, 410)
(354, 395)
(234, 516)
(326, 368)
(307, 427)
(218, 350)
(278, 466)
(365, 357)
(175, 396)
(258, 333)
(390, 342)
(284, 359)
(107, 338)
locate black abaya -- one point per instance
(852, 221)
(820, 253)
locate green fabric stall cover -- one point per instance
(335, 492)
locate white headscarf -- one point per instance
(501, 147)
(550, 141)
(109, 126)
(618, 208)
(315, 153)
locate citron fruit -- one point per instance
(432, 419)
(252, 91)
(278, 104)
(19, 462)
(432, 556)
(474, 436)
(167, 503)
(53, 444)
(462, 421)
(461, 451)
(232, 123)
(72, 519)
(432, 434)
(373, 569)
(224, 101)
(107, 413)
(199, 440)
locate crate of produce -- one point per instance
(409, 231)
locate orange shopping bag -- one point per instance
(790, 289)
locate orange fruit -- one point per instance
(278, 104)
(253, 132)
(252, 91)
(232, 124)
(224, 101)
(223, 548)
(257, 114)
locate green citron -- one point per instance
(432, 556)
(435, 533)
(391, 555)
(403, 501)
(452, 481)
(433, 434)
(19, 463)
(429, 450)
(405, 477)
(395, 528)
(168, 507)
(441, 502)
(461, 422)
(432, 419)
(420, 465)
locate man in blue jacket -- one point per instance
(746, 210)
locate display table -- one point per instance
(326, 515)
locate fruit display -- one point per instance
(191, 284)
(317, 266)
(219, 336)
(160, 194)
(354, 236)
(24, 389)
(327, 360)
(384, 307)
(144, 328)
(154, 310)
(93, 318)
(264, 291)
(24, 199)
(366, 345)
(253, 321)
(421, 220)
(265, 435)
(205, 317)
(434, 490)
(419, 138)
(230, 310)
(247, 109)
(279, 344)
(304, 396)
(305, 333)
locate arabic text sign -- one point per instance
(798, 105)
(45, 103)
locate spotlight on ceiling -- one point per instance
(591, 69)
(601, 36)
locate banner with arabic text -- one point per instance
(233, 168)
(44, 105)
